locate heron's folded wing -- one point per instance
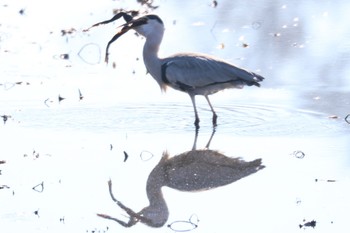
(198, 70)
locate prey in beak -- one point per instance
(130, 24)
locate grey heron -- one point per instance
(192, 73)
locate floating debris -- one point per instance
(333, 117)
(48, 101)
(60, 98)
(35, 154)
(183, 226)
(110, 146)
(347, 119)
(62, 220)
(214, 4)
(80, 95)
(146, 155)
(256, 25)
(1, 162)
(308, 224)
(245, 45)
(5, 118)
(37, 213)
(4, 187)
(90, 54)
(64, 56)
(148, 3)
(299, 154)
(125, 156)
(318, 180)
(39, 188)
(98, 230)
(67, 31)
(221, 46)
(21, 11)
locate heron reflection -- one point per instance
(194, 170)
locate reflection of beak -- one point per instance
(125, 27)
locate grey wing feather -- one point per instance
(195, 70)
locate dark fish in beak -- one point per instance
(126, 17)
(125, 27)
(130, 24)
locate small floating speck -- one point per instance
(46, 102)
(182, 226)
(80, 95)
(21, 11)
(299, 154)
(37, 213)
(321, 180)
(146, 155)
(245, 45)
(67, 31)
(39, 188)
(5, 118)
(256, 25)
(60, 98)
(221, 46)
(125, 156)
(308, 224)
(90, 54)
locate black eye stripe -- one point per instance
(155, 17)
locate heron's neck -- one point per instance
(151, 58)
(156, 214)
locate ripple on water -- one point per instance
(236, 119)
(276, 120)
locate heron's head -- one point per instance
(146, 25)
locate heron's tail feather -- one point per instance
(256, 79)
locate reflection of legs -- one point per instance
(211, 137)
(134, 217)
(194, 147)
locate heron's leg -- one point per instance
(196, 122)
(212, 109)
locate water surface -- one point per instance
(69, 121)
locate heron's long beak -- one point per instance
(125, 28)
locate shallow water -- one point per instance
(114, 123)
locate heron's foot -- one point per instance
(215, 117)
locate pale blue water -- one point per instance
(76, 145)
